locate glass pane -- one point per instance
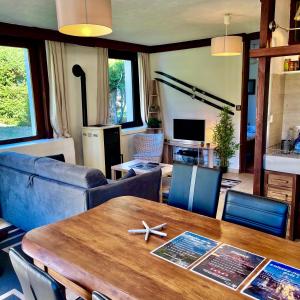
(17, 116)
(120, 87)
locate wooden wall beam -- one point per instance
(276, 51)
(33, 33)
(267, 15)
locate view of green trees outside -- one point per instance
(15, 118)
(117, 87)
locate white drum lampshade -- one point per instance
(226, 46)
(85, 18)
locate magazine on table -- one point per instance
(275, 281)
(228, 265)
(145, 166)
(185, 249)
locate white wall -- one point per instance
(86, 57)
(253, 73)
(221, 76)
(44, 148)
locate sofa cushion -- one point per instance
(18, 161)
(129, 174)
(72, 174)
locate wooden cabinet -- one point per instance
(285, 187)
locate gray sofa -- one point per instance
(35, 191)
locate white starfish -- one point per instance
(148, 230)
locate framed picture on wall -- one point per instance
(251, 86)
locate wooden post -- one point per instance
(244, 104)
(267, 15)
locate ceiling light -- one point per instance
(297, 16)
(85, 18)
(227, 45)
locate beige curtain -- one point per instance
(103, 86)
(145, 82)
(59, 116)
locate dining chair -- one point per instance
(99, 296)
(256, 212)
(36, 284)
(195, 189)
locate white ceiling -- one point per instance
(149, 22)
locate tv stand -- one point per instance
(189, 152)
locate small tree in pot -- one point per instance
(223, 137)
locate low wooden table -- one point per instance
(93, 251)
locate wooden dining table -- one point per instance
(94, 251)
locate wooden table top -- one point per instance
(95, 251)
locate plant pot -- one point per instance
(224, 169)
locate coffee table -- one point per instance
(166, 170)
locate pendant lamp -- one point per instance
(227, 45)
(84, 18)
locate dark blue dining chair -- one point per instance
(256, 212)
(36, 284)
(99, 296)
(196, 189)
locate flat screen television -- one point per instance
(187, 129)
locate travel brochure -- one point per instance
(229, 266)
(185, 249)
(275, 281)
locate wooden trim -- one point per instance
(40, 89)
(267, 15)
(276, 51)
(195, 43)
(180, 46)
(34, 33)
(244, 104)
(261, 123)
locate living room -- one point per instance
(141, 140)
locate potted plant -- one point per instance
(223, 138)
(153, 123)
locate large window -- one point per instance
(22, 116)
(124, 99)
(17, 116)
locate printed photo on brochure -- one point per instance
(185, 249)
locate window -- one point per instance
(21, 117)
(17, 116)
(124, 96)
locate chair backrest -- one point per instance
(99, 296)
(196, 189)
(256, 212)
(149, 143)
(36, 284)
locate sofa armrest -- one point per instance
(145, 186)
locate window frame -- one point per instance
(40, 86)
(132, 56)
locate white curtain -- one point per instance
(102, 86)
(59, 109)
(145, 82)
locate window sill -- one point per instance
(133, 130)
